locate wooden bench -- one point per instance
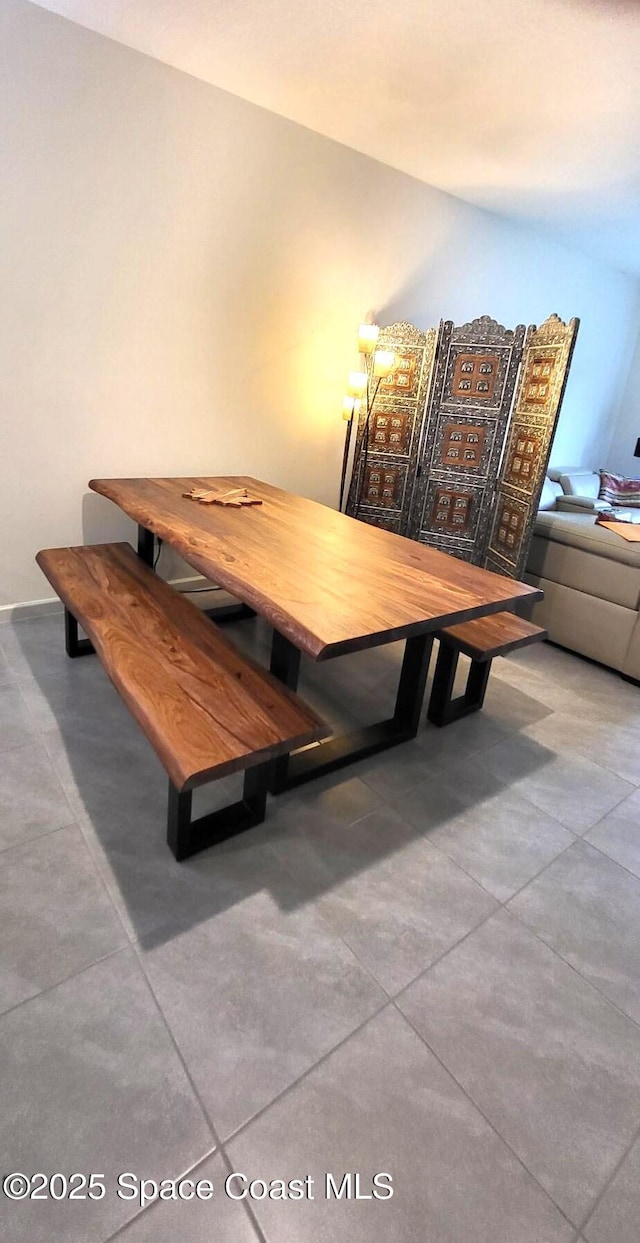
(481, 639)
(206, 710)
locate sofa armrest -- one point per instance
(582, 504)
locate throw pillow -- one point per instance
(619, 491)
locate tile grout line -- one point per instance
(244, 1126)
(340, 936)
(392, 996)
(22, 845)
(28, 841)
(424, 834)
(92, 852)
(608, 857)
(610, 1179)
(205, 1112)
(41, 735)
(575, 970)
(540, 938)
(121, 1230)
(504, 907)
(102, 884)
(74, 823)
(248, 1206)
(58, 983)
(479, 1110)
(500, 906)
(77, 821)
(623, 1014)
(520, 733)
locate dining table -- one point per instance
(327, 584)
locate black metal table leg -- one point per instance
(339, 750)
(443, 708)
(413, 679)
(285, 665)
(146, 545)
(73, 645)
(285, 661)
(187, 837)
(225, 613)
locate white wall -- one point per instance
(183, 274)
(620, 456)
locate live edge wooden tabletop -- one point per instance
(327, 582)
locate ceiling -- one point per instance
(528, 108)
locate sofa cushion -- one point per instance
(582, 531)
(571, 549)
(581, 483)
(595, 627)
(618, 490)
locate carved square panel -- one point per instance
(538, 381)
(403, 380)
(475, 376)
(525, 451)
(462, 445)
(451, 511)
(510, 530)
(390, 431)
(382, 487)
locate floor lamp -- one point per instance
(361, 387)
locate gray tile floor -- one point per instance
(427, 966)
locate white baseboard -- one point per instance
(28, 609)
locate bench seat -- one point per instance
(206, 710)
(481, 640)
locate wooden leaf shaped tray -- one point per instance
(235, 497)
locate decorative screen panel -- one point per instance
(545, 368)
(387, 443)
(463, 436)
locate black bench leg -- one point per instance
(443, 709)
(75, 646)
(187, 837)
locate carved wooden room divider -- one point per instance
(430, 459)
(388, 443)
(463, 438)
(541, 386)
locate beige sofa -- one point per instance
(590, 576)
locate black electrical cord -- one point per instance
(185, 591)
(194, 591)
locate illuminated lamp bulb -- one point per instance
(367, 337)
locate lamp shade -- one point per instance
(367, 337)
(350, 406)
(636, 452)
(357, 383)
(383, 361)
